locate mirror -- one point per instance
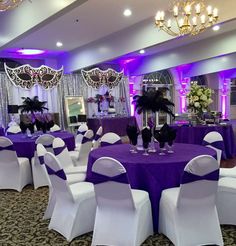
(74, 106)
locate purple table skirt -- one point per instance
(25, 146)
(2, 131)
(152, 173)
(117, 124)
(195, 135)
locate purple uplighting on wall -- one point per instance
(224, 99)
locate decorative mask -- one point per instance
(26, 76)
(96, 78)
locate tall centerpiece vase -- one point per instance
(151, 124)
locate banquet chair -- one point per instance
(215, 141)
(15, 172)
(55, 128)
(123, 215)
(80, 133)
(97, 138)
(187, 214)
(15, 129)
(40, 177)
(80, 158)
(75, 207)
(110, 138)
(226, 200)
(62, 153)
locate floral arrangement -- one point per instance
(100, 98)
(199, 98)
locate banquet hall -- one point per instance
(117, 122)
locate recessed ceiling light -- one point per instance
(30, 51)
(127, 12)
(59, 44)
(142, 51)
(216, 28)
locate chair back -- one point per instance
(57, 177)
(112, 188)
(55, 128)
(62, 153)
(46, 140)
(199, 182)
(215, 141)
(110, 138)
(86, 146)
(80, 133)
(7, 152)
(97, 138)
(13, 130)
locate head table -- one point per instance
(152, 173)
(25, 146)
(195, 135)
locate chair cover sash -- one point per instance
(81, 132)
(47, 145)
(190, 177)
(41, 160)
(85, 140)
(103, 144)
(217, 144)
(58, 150)
(96, 137)
(100, 178)
(60, 173)
(10, 147)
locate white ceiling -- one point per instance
(42, 23)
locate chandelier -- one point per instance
(9, 4)
(190, 17)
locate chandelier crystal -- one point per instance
(9, 4)
(190, 17)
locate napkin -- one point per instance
(146, 136)
(132, 133)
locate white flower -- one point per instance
(199, 93)
(204, 98)
(197, 104)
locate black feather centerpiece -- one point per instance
(146, 137)
(132, 133)
(153, 101)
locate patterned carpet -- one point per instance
(21, 223)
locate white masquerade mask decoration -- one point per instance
(95, 78)
(26, 76)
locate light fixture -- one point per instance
(127, 12)
(142, 51)
(30, 51)
(9, 4)
(190, 17)
(59, 44)
(216, 28)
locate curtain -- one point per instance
(4, 99)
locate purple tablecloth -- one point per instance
(2, 131)
(25, 146)
(152, 173)
(195, 135)
(117, 124)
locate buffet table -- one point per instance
(195, 135)
(25, 146)
(152, 173)
(115, 124)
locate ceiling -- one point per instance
(77, 23)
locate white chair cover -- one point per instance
(55, 128)
(40, 177)
(187, 214)
(226, 200)
(13, 129)
(75, 206)
(15, 173)
(110, 138)
(62, 153)
(123, 215)
(97, 138)
(215, 141)
(80, 133)
(81, 158)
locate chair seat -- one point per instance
(139, 197)
(75, 177)
(77, 169)
(82, 190)
(228, 172)
(227, 184)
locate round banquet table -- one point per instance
(195, 135)
(25, 146)
(152, 173)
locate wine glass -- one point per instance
(162, 148)
(145, 147)
(170, 147)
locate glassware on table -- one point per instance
(170, 147)
(134, 142)
(152, 148)
(162, 148)
(145, 147)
